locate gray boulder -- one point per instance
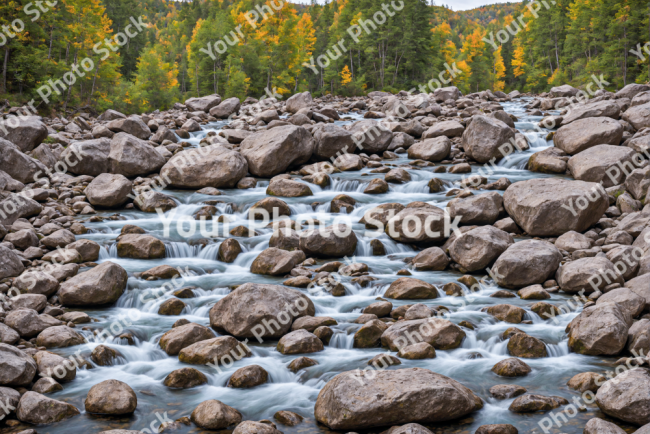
(101, 285)
(271, 152)
(26, 132)
(585, 133)
(18, 165)
(131, 157)
(132, 125)
(209, 166)
(109, 190)
(601, 164)
(487, 139)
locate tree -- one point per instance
(156, 85)
(499, 71)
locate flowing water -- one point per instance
(144, 365)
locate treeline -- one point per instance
(148, 54)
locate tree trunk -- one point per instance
(4, 71)
(94, 80)
(67, 97)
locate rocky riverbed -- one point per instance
(433, 263)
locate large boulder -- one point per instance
(276, 262)
(90, 157)
(352, 401)
(435, 149)
(203, 104)
(550, 160)
(226, 108)
(638, 116)
(36, 282)
(482, 209)
(486, 139)
(138, 246)
(429, 221)
(111, 397)
(299, 101)
(16, 367)
(526, 263)
(28, 323)
(371, 137)
(408, 288)
(565, 90)
(476, 249)
(597, 109)
(440, 333)
(38, 409)
(10, 263)
(588, 275)
(213, 350)
(332, 140)
(631, 303)
(26, 132)
(215, 415)
(599, 330)
(446, 128)
(101, 285)
(181, 337)
(18, 165)
(210, 166)
(298, 342)
(330, 242)
(132, 125)
(601, 164)
(632, 90)
(550, 206)
(131, 157)
(271, 152)
(59, 337)
(245, 312)
(599, 426)
(54, 366)
(444, 93)
(585, 133)
(108, 190)
(15, 206)
(627, 397)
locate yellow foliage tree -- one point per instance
(346, 75)
(499, 71)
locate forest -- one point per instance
(141, 55)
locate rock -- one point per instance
(586, 133)
(433, 149)
(101, 285)
(378, 217)
(23, 239)
(276, 262)
(132, 125)
(371, 137)
(526, 263)
(8, 335)
(104, 356)
(178, 338)
(16, 367)
(332, 241)
(533, 292)
(215, 415)
(152, 201)
(249, 376)
(572, 241)
(447, 128)
(629, 302)
(532, 403)
(550, 207)
(626, 397)
(511, 367)
(347, 162)
(408, 288)
(17, 165)
(506, 312)
(60, 238)
(209, 166)
(28, 323)
(55, 366)
(332, 140)
(550, 160)
(439, 333)
(638, 116)
(586, 381)
(431, 259)
(397, 176)
(419, 351)
(242, 312)
(250, 427)
(10, 263)
(301, 363)
(22, 207)
(417, 215)
(369, 335)
(485, 137)
(37, 409)
(9, 398)
(59, 337)
(131, 157)
(288, 188)
(185, 378)
(311, 323)
(502, 428)
(599, 426)
(299, 341)
(36, 282)
(203, 104)
(595, 163)
(287, 418)
(108, 190)
(111, 397)
(586, 274)
(271, 152)
(599, 330)
(597, 109)
(171, 307)
(424, 396)
(91, 157)
(299, 101)
(507, 391)
(446, 93)
(632, 90)
(483, 209)
(476, 249)
(522, 345)
(140, 247)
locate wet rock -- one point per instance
(16, 367)
(533, 292)
(276, 262)
(484, 137)
(55, 366)
(380, 308)
(299, 341)
(419, 351)
(408, 288)
(215, 415)
(417, 215)
(288, 188)
(151, 201)
(131, 157)
(550, 160)
(397, 176)
(59, 337)
(586, 133)
(104, 356)
(507, 391)
(483, 209)
(502, 428)
(301, 363)
(418, 311)
(585, 275)
(140, 247)
(431, 259)
(409, 428)
(599, 426)
(101, 285)
(522, 345)
(586, 381)
(333, 241)
(209, 166)
(271, 152)
(288, 418)
(476, 249)
(229, 250)
(432, 149)
(37, 409)
(378, 217)
(545, 310)
(626, 397)
(424, 397)
(629, 302)
(242, 312)
(311, 323)
(173, 341)
(108, 190)
(532, 403)
(549, 207)
(599, 330)
(439, 333)
(526, 263)
(248, 376)
(376, 186)
(111, 397)
(371, 137)
(369, 335)
(250, 427)
(506, 312)
(593, 164)
(185, 378)
(511, 367)
(172, 307)
(269, 208)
